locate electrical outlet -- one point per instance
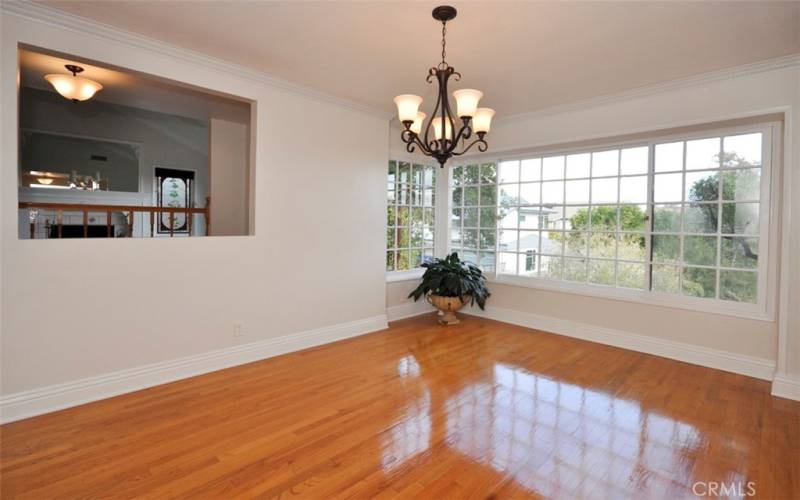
(237, 330)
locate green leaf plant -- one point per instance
(452, 277)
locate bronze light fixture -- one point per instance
(441, 125)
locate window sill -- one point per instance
(410, 275)
(747, 311)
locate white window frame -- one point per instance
(769, 218)
(440, 207)
(478, 249)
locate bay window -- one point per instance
(410, 224)
(682, 220)
(474, 216)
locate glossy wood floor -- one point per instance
(483, 409)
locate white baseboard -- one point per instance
(703, 356)
(786, 387)
(408, 310)
(57, 397)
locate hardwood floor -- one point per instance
(482, 409)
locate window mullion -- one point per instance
(519, 211)
(682, 239)
(539, 223)
(442, 209)
(590, 209)
(618, 228)
(495, 221)
(720, 195)
(650, 226)
(766, 219)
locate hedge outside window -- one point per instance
(410, 219)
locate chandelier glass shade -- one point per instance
(73, 87)
(445, 134)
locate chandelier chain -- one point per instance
(444, 33)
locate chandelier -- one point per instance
(445, 138)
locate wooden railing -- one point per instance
(60, 208)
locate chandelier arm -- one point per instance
(463, 134)
(482, 146)
(412, 142)
(406, 135)
(443, 101)
(425, 150)
(449, 113)
(411, 139)
(466, 123)
(448, 145)
(431, 72)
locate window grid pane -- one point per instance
(475, 196)
(410, 215)
(679, 217)
(706, 233)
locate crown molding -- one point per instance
(784, 62)
(53, 17)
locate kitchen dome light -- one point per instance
(74, 87)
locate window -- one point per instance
(410, 215)
(713, 187)
(474, 214)
(530, 260)
(682, 217)
(174, 188)
(579, 215)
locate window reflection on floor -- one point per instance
(407, 366)
(410, 436)
(560, 439)
(411, 433)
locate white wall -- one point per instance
(229, 177)
(725, 96)
(316, 259)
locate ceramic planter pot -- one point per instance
(447, 307)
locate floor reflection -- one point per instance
(411, 434)
(408, 366)
(550, 435)
(561, 440)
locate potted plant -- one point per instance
(449, 284)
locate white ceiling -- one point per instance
(133, 89)
(525, 56)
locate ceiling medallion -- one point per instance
(471, 118)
